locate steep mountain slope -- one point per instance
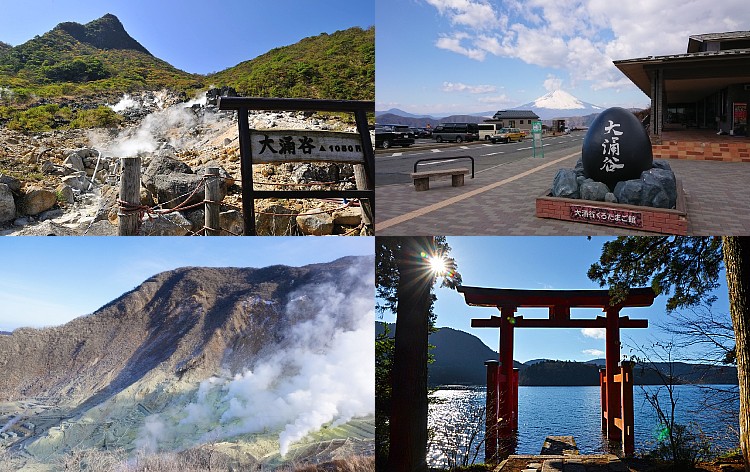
(100, 53)
(334, 66)
(147, 356)
(180, 322)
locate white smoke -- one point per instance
(126, 102)
(321, 373)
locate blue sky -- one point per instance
(48, 281)
(194, 35)
(556, 262)
(467, 56)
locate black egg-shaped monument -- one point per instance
(616, 148)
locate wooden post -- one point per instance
(612, 349)
(491, 411)
(515, 400)
(603, 396)
(505, 401)
(246, 168)
(364, 175)
(628, 420)
(130, 192)
(213, 189)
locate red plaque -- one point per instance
(610, 216)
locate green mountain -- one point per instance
(334, 66)
(101, 58)
(74, 59)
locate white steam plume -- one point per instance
(322, 372)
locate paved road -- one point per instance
(394, 166)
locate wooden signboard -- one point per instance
(305, 146)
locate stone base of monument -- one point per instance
(640, 218)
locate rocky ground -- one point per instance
(67, 182)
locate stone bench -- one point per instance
(422, 179)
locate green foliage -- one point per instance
(682, 446)
(384, 347)
(687, 268)
(84, 69)
(336, 66)
(101, 117)
(51, 116)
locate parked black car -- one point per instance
(387, 136)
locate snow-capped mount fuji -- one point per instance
(560, 104)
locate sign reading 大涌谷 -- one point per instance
(305, 145)
(610, 216)
(536, 138)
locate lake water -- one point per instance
(557, 411)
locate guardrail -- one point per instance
(446, 159)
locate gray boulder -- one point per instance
(661, 164)
(579, 168)
(170, 182)
(231, 222)
(666, 181)
(7, 204)
(315, 173)
(37, 200)
(12, 183)
(610, 198)
(592, 190)
(565, 184)
(275, 220)
(75, 162)
(315, 223)
(629, 192)
(172, 224)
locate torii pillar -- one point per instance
(502, 380)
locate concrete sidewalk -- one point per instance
(502, 201)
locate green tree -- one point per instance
(406, 270)
(687, 269)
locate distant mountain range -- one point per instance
(459, 360)
(556, 104)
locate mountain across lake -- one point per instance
(459, 360)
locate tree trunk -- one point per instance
(408, 425)
(737, 263)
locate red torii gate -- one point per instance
(502, 378)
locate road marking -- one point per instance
(488, 145)
(523, 149)
(436, 150)
(493, 153)
(436, 163)
(397, 154)
(450, 201)
(464, 147)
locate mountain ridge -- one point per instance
(100, 58)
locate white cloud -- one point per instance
(581, 37)
(499, 100)
(596, 333)
(453, 43)
(472, 14)
(459, 87)
(593, 352)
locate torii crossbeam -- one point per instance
(502, 379)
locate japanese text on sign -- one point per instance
(305, 145)
(611, 148)
(611, 216)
